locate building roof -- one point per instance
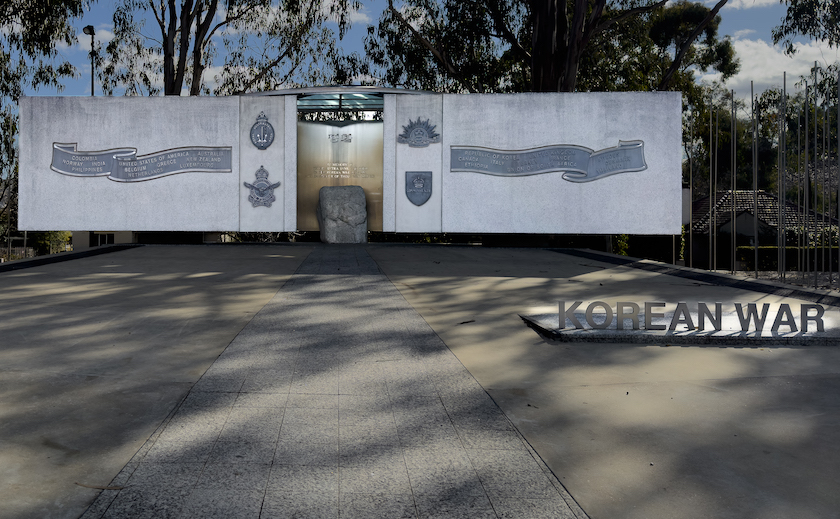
(768, 211)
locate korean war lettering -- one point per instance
(577, 163)
(123, 164)
(600, 315)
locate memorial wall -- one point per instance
(599, 163)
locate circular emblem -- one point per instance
(419, 134)
(262, 133)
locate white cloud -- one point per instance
(747, 4)
(765, 65)
(359, 16)
(742, 33)
(210, 78)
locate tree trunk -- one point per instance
(547, 44)
(169, 47)
(201, 28)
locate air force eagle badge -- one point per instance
(262, 191)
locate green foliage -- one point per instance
(49, 242)
(516, 45)
(248, 45)
(641, 55)
(819, 19)
(621, 244)
(459, 46)
(30, 32)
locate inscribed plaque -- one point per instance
(335, 153)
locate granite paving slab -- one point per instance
(336, 400)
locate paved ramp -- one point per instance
(336, 400)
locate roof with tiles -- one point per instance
(744, 201)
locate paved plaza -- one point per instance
(392, 381)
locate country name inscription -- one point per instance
(577, 163)
(123, 164)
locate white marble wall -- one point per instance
(290, 187)
(182, 202)
(389, 163)
(251, 158)
(644, 202)
(427, 217)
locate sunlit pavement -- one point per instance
(329, 393)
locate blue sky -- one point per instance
(747, 22)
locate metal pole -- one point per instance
(733, 136)
(780, 175)
(838, 173)
(711, 192)
(826, 189)
(691, 188)
(806, 198)
(89, 30)
(816, 155)
(755, 179)
(783, 199)
(798, 188)
(717, 144)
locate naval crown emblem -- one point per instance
(262, 133)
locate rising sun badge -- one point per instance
(418, 134)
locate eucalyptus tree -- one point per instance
(30, 33)
(544, 45)
(169, 46)
(819, 19)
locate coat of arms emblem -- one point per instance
(262, 191)
(418, 186)
(418, 134)
(262, 133)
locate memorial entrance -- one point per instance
(340, 143)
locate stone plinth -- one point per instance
(342, 214)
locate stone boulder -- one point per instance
(342, 214)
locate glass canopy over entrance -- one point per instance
(339, 102)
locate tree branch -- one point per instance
(228, 19)
(506, 33)
(254, 80)
(627, 14)
(675, 65)
(438, 54)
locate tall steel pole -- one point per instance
(733, 136)
(711, 184)
(755, 179)
(90, 31)
(691, 188)
(816, 156)
(783, 199)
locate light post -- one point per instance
(90, 32)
